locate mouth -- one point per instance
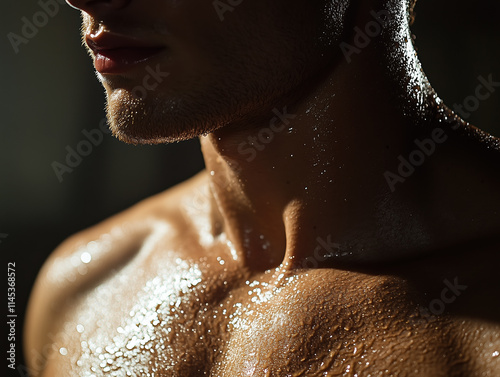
(115, 54)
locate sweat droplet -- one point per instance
(86, 257)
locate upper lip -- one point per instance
(111, 41)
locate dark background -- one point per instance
(49, 94)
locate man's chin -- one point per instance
(141, 134)
(151, 121)
(140, 139)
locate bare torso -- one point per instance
(149, 293)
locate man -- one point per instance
(346, 223)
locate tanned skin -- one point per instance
(297, 256)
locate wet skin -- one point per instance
(228, 273)
(149, 292)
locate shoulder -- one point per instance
(90, 256)
(441, 318)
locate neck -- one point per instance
(305, 182)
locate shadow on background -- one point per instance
(50, 95)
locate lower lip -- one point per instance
(120, 60)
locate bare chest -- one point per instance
(183, 322)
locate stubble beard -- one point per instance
(157, 120)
